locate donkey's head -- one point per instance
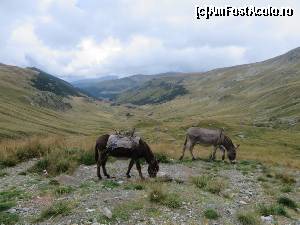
(153, 167)
(231, 153)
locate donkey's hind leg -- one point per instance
(98, 167)
(183, 149)
(104, 160)
(191, 147)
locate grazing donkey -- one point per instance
(124, 147)
(208, 137)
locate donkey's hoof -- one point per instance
(128, 176)
(193, 158)
(180, 158)
(99, 178)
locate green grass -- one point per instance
(158, 195)
(134, 186)
(57, 208)
(211, 214)
(210, 184)
(8, 218)
(272, 209)
(201, 181)
(247, 218)
(62, 190)
(87, 158)
(215, 186)
(3, 174)
(9, 197)
(285, 178)
(110, 184)
(163, 158)
(6, 205)
(286, 188)
(287, 202)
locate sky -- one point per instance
(79, 39)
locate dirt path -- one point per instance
(88, 200)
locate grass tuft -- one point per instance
(62, 190)
(110, 184)
(286, 189)
(247, 218)
(58, 208)
(287, 202)
(275, 209)
(285, 178)
(201, 181)
(211, 214)
(157, 195)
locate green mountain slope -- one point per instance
(152, 92)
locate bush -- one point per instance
(287, 202)
(211, 214)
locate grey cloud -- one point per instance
(85, 38)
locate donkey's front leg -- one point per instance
(223, 152)
(129, 168)
(213, 154)
(139, 168)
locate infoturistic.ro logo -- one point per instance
(212, 11)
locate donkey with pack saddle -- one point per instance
(210, 137)
(124, 146)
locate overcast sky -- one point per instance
(77, 39)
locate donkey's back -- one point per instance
(204, 136)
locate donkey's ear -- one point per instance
(237, 146)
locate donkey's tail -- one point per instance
(96, 152)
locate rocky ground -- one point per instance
(188, 192)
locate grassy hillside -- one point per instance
(21, 114)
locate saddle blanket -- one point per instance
(118, 141)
